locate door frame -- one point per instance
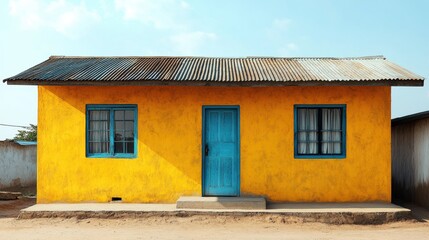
(203, 143)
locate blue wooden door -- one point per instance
(221, 152)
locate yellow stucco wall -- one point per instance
(168, 164)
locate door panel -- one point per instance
(221, 158)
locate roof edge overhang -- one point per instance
(410, 118)
(410, 83)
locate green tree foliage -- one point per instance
(30, 134)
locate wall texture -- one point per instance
(168, 164)
(17, 165)
(410, 161)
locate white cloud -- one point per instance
(74, 18)
(279, 33)
(170, 16)
(188, 43)
(185, 5)
(162, 14)
(281, 24)
(28, 11)
(68, 18)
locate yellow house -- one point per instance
(152, 129)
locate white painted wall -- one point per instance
(17, 165)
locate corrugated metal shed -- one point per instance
(248, 71)
(410, 118)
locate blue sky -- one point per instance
(32, 30)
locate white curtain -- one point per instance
(98, 131)
(307, 131)
(331, 131)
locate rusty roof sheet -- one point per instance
(62, 70)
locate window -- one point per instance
(111, 131)
(320, 131)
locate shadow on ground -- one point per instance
(12, 208)
(418, 212)
(421, 214)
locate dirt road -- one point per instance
(195, 227)
(200, 228)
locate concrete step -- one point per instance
(332, 213)
(221, 203)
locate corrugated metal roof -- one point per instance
(213, 70)
(21, 143)
(26, 143)
(410, 118)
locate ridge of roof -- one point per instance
(207, 57)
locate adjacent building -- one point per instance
(17, 164)
(410, 158)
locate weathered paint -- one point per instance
(216, 71)
(17, 165)
(410, 161)
(168, 162)
(221, 151)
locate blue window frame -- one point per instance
(320, 131)
(111, 131)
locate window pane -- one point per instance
(92, 147)
(337, 148)
(119, 115)
(312, 148)
(119, 125)
(99, 136)
(99, 147)
(129, 125)
(302, 145)
(99, 125)
(129, 115)
(331, 148)
(98, 115)
(98, 132)
(302, 148)
(336, 136)
(331, 127)
(307, 127)
(129, 136)
(130, 147)
(302, 136)
(92, 136)
(105, 147)
(119, 135)
(307, 119)
(331, 119)
(119, 147)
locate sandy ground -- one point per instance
(195, 227)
